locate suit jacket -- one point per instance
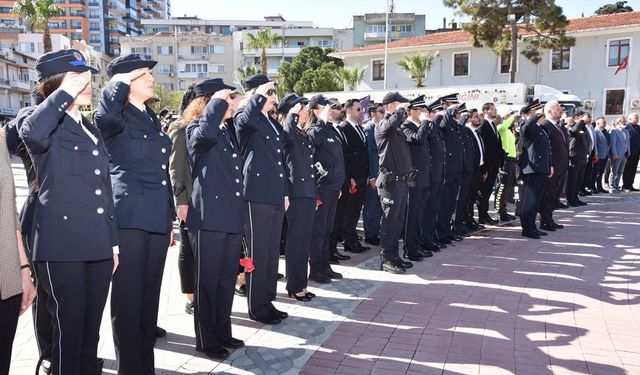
(139, 162)
(619, 144)
(536, 155)
(339, 136)
(357, 156)
(420, 159)
(634, 138)
(74, 216)
(299, 156)
(212, 151)
(436, 152)
(453, 143)
(328, 151)
(493, 155)
(262, 144)
(372, 148)
(559, 138)
(602, 143)
(471, 159)
(579, 143)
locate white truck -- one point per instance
(507, 97)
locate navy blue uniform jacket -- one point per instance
(299, 157)
(74, 215)
(216, 203)
(420, 158)
(262, 148)
(536, 155)
(327, 150)
(139, 160)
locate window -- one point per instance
(378, 70)
(614, 102)
(376, 28)
(28, 47)
(225, 30)
(165, 68)
(165, 50)
(196, 68)
(618, 51)
(323, 43)
(504, 62)
(217, 49)
(561, 59)
(199, 50)
(141, 50)
(401, 28)
(461, 64)
(218, 68)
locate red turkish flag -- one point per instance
(622, 66)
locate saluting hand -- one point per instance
(129, 77)
(221, 94)
(296, 108)
(75, 83)
(264, 88)
(324, 115)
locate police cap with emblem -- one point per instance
(66, 60)
(129, 63)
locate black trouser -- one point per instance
(461, 204)
(575, 175)
(393, 199)
(135, 296)
(216, 269)
(472, 198)
(324, 219)
(430, 217)
(186, 263)
(607, 171)
(336, 229)
(371, 214)
(599, 172)
(549, 198)
(263, 234)
(506, 181)
(484, 193)
(448, 206)
(416, 205)
(77, 296)
(300, 216)
(530, 198)
(629, 172)
(9, 313)
(560, 186)
(351, 215)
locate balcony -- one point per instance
(188, 75)
(392, 35)
(9, 111)
(21, 85)
(395, 17)
(93, 3)
(81, 2)
(274, 51)
(4, 83)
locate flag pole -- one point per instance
(386, 42)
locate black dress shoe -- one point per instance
(561, 205)
(354, 249)
(392, 266)
(241, 290)
(280, 314)
(548, 227)
(333, 260)
(444, 241)
(304, 298)
(310, 295)
(320, 278)
(412, 255)
(431, 247)
(160, 332)
(332, 274)
(581, 203)
(405, 264)
(455, 237)
(487, 220)
(541, 233)
(633, 189)
(188, 308)
(558, 226)
(533, 235)
(573, 204)
(375, 241)
(271, 319)
(425, 253)
(217, 352)
(506, 217)
(340, 256)
(233, 343)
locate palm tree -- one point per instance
(417, 66)
(246, 71)
(351, 77)
(262, 40)
(37, 13)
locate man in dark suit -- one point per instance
(479, 174)
(357, 163)
(492, 161)
(579, 151)
(631, 168)
(372, 211)
(560, 163)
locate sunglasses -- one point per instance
(271, 92)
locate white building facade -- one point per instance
(588, 69)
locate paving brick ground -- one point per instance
(495, 303)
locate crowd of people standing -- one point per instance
(248, 177)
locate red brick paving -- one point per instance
(497, 303)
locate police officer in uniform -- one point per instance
(302, 196)
(75, 240)
(144, 207)
(535, 164)
(329, 161)
(416, 132)
(262, 144)
(468, 168)
(395, 168)
(215, 237)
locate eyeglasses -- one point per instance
(271, 92)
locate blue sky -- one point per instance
(337, 13)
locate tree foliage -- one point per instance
(311, 70)
(169, 99)
(351, 77)
(617, 7)
(245, 72)
(417, 66)
(540, 25)
(262, 40)
(37, 14)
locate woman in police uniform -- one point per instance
(74, 229)
(215, 237)
(144, 207)
(302, 196)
